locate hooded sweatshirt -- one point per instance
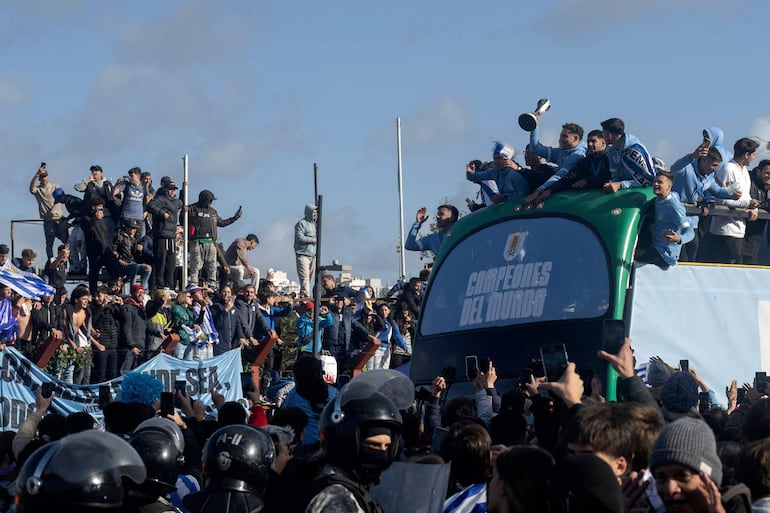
(305, 234)
(631, 164)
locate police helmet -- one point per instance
(80, 472)
(161, 457)
(237, 458)
(356, 408)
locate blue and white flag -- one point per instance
(27, 284)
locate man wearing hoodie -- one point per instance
(631, 165)
(203, 222)
(305, 247)
(695, 182)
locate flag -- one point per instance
(27, 284)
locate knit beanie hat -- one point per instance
(657, 373)
(680, 393)
(689, 442)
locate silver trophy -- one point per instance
(528, 120)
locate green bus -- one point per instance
(506, 283)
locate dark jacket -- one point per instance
(252, 320)
(134, 327)
(204, 220)
(97, 235)
(336, 338)
(158, 207)
(107, 322)
(594, 168)
(228, 325)
(43, 320)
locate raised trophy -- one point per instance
(528, 120)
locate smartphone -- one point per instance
(741, 395)
(166, 404)
(105, 394)
(42, 164)
(342, 380)
(46, 389)
(613, 335)
(554, 358)
(706, 139)
(684, 365)
(704, 402)
(247, 383)
(471, 367)
(180, 386)
(484, 364)
(525, 377)
(760, 382)
(439, 434)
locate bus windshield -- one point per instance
(519, 271)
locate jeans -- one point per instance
(183, 352)
(133, 269)
(56, 229)
(105, 365)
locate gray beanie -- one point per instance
(689, 442)
(657, 373)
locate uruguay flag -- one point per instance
(27, 284)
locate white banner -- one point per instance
(716, 317)
(20, 380)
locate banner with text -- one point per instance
(20, 380)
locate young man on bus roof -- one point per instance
(446, 216)
(672, 228)
(590, 172)
(724, 242)
(510, 183)
(695, 182)
(631, 165)
(569, 152)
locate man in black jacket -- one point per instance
(108, 314)
(164, 208)
(99, 245)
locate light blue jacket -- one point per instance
(565, 159)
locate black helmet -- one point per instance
(358, 408)
(161, 457)
(80, 471)
(238, 458)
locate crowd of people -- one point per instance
(554, 446)
(307, 445)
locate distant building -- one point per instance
(282, 283)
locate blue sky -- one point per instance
(257, 91)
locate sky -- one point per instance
(256, 92)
